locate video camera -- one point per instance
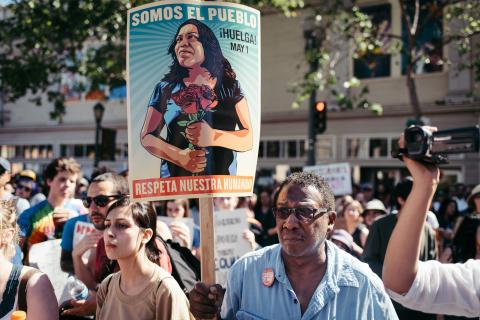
(425, 146)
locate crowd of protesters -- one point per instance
(39, 207)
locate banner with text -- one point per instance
(230, 243)
(193, 96)
(81, 230)
(338, 176)
(186, 223)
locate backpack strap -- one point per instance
(22, 289)
(174, 271)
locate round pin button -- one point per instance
(268, 277)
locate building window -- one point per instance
(8, 151)
(282, 149)
(370, 147)
(428, 42)
(292, 150)
(77, 150)
(121, 151)
(356, 148)
(378, 148)
(18, 152)
(91, 151)
(43, 151)
(302, 148)
(375, 63)
(273, 149)
(324, 149)
(261, 152)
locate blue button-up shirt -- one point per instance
(348, 290)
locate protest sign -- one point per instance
(229, 241)
(337, 175)
(81, 230)
(45, 256)
(193, 96)
(188, 224)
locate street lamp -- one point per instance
(98, 110)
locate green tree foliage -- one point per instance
(336, 23)
(41, 39)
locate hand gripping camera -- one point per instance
(425, 146)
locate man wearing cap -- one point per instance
(373, 210)
(377, 242)
(5, 176)
(303, 277)
(27, 188)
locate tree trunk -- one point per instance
(412, 92)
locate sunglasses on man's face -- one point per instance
(100, 201)
(24, 187)
(303, 214)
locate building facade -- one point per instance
(30, 139)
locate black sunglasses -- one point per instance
(301, 213)
(101, 201)
(24, 187)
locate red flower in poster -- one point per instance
(195, 101)
(194, 97)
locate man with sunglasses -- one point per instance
(27, 187)
(303, 277)
(104, 190)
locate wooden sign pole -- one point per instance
(207, 242)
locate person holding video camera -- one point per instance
(450, 289)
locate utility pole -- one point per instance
(311, 46)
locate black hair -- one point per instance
(144, 216)
(464, 243)
(402, 190)
(306, 179)
(442, 217)
(99, 171)
(258, 205)
(218, 66)
(120, 183)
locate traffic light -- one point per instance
(320, 117)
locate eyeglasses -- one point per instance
(24, 187)
(301, 213)
(101, 200)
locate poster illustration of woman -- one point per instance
(197, 117)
